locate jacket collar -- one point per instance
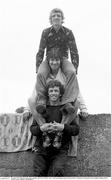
(61, 28)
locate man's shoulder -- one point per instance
(47, 30)
(66, 29)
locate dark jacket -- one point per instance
(63, 39)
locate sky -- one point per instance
(21, 25)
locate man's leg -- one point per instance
(32, 105)
(82, 107)
(71, 87)
(74, 142)
(39, 165)
(61, 166)
(42, 75)
(67, 118)
(57, 166)
(67, 66)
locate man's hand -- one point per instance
(26, 115)
(58, 126)
(83, 115)
(46, 127)
(52, 127)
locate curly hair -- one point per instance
(56, 10)
(52, 84)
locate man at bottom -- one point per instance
(51, 161)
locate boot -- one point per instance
(57, 141)
(68, 109)
(46, 141)
(41, 108)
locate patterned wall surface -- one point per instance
(15, 133)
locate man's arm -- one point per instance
(70, 130)
(73, 50)
(35, 128)
(40, 54)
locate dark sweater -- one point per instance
(54, 114)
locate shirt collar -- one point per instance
(58, 104)
(61, 28)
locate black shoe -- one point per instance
(57, 142)
(41, 109)
(46, 141)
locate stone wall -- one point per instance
(94, 147)
(93, 158)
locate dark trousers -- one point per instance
(51, 165)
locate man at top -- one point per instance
(59, 37)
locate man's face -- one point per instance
(54, 93)
(54, 64)
(56, 19)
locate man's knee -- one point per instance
(43, 70)
(67, 67)
(31, 102)
(71, 73)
